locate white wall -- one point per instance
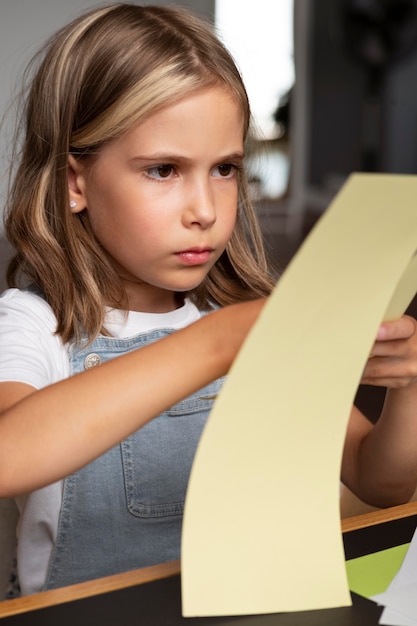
(24, 26)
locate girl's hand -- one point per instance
(392, 362)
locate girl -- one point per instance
(131, 219)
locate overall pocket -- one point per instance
(157, 458)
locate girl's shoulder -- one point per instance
(29, 306)
(30, 349)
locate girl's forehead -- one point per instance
(115, 124)
(206, 122)
(216, 98)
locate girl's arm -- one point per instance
(380, 462)
(48, 434)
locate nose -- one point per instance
(200, 208)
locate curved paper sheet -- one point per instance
(261, 529)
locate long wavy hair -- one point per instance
(97, 77)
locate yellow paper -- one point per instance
(261, 530)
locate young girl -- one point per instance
(133, 230)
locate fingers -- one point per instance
(393, 358)
(402, 328)
(400, 348)
(390, 372)
(396, 339)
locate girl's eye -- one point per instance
(160, 171)
(226, 170)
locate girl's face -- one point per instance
(162, 199)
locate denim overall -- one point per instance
(124, 510)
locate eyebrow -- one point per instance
(168, 157)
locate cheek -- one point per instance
(111, 227)
(230, 217)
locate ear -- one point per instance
(76, 185)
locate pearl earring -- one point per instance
(73, 204)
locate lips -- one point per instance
(195, 256)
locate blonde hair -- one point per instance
(101, 74)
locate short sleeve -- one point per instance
(30, 351)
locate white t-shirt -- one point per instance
(31, 353)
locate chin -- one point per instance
(185, 290)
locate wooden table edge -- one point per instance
(88, 588)
(378, 517)
(156, 572)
